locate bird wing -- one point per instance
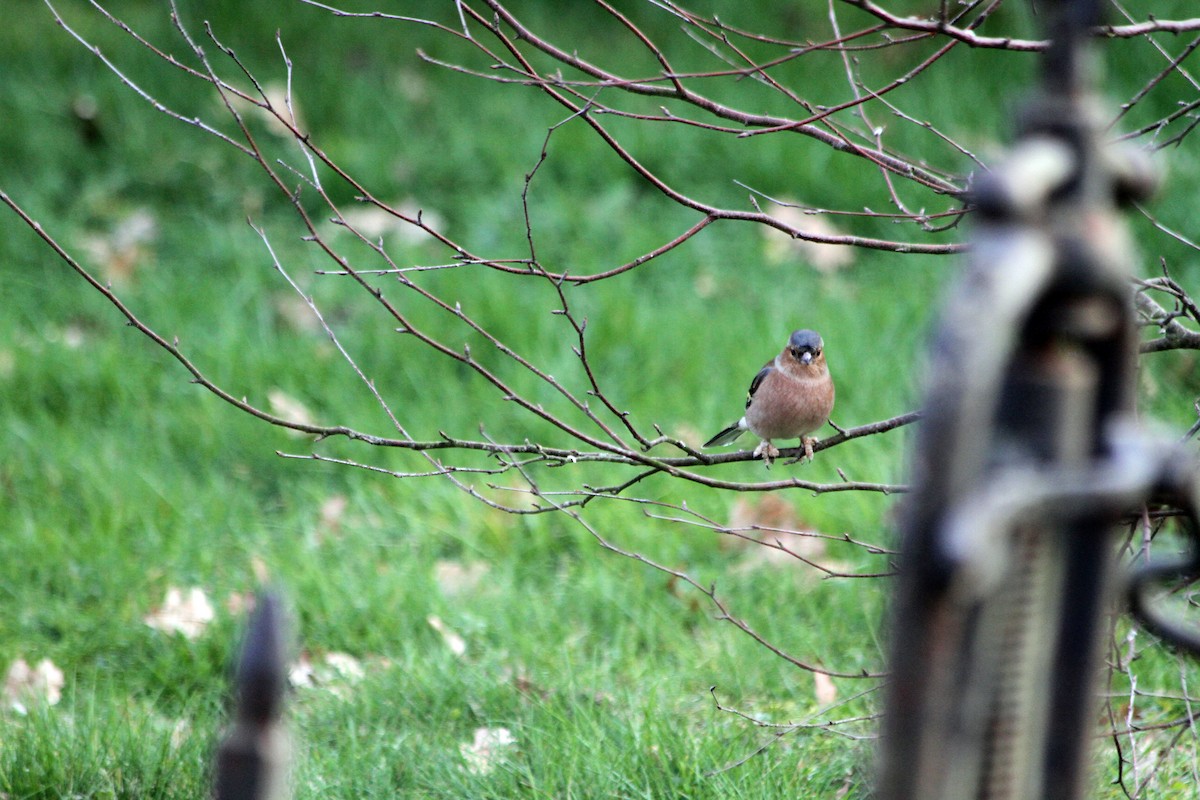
(767, 369)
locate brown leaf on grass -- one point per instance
(705, 284)
(488, 748)
(772, 519)
(456, 643)
(334, 672)
(25, 685)
(346, 666)
(261, 573)
(285, 406)
(824, 689)
(770, 512)
(455, 577)
(691, 434)
(332, 511)
(73, 335)
(294, 312)
(374, 223)
(519, 679)
(277, 95)
(413, 85)
(122, 250)
(181, 731)
(187, 614)
(302, 674)
(780, 248)
(526, 686)
(239, 603)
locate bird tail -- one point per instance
(726, 436)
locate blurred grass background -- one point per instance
(121, 478)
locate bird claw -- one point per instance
(767, 451)
(807, 443)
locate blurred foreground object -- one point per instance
(252, 760)
(1026, 461)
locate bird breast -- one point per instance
(799, 404)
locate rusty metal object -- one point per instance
(1026, 460)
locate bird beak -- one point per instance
(806, 357)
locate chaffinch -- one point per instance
(790, 397)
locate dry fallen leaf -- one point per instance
(413, 85)
(125, 247)
(335, 672)
(302, 674)
(239, 603)
(772, 519)
(691, 434)
(770, 511)
(489, 748)
(186, 614)
(455, 577)
(285, 406)
(259, 567)
(705, 284)
(25, 685)
(277, 95)
(332, 511)
(181, 730)
(456, 643)
(780, 248)
(346, 666)
(73, 335)
(524, 684)
(373, 222)
(824, 689)
(294, 312)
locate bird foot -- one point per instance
(768, 451)
(807, 443)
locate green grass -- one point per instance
(121, 478)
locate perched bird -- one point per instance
(790, 397)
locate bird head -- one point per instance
(805, 346)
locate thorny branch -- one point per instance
(608, 451)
